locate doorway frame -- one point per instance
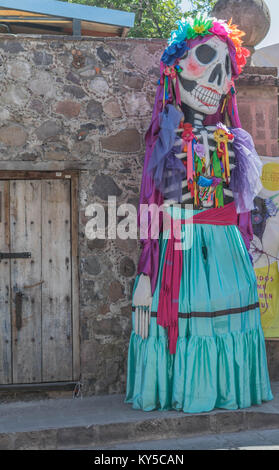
(73, 176)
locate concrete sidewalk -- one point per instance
(107, 420)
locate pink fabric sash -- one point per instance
(167, 315)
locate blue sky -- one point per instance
(273, 35)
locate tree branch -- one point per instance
(154, 19)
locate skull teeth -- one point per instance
(207, 97)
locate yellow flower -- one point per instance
(199, 29)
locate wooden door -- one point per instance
(38, 341)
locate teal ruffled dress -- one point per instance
(220, 359)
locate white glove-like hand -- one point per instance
(142, 301)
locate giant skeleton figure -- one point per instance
(197, 341)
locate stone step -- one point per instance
(106, 420)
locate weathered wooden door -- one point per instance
(37, 342)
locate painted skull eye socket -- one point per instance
(205, 54)
(228, 65)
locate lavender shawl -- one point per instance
(166, 169)
(245, 179)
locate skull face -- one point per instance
(206, 76)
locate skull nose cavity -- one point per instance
(216, 75)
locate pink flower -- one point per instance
(219, 29)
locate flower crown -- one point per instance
(201, 26)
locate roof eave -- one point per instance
(73, 11)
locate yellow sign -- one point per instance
(265, 246)
(270, 176)
(268, 290)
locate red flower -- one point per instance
(187, 131)
(170, 72)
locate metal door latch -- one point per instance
(25, 254)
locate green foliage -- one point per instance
(204, 6)
(154, 18)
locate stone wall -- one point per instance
(258, 107)
(61, 110)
